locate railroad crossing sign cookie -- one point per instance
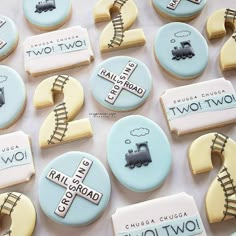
(47, 14)
(138, 153)
(181, 50)
(121, 83)
(179, 10)
(74, 189)
(12, 96)
(8, 37)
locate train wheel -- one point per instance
(131, 166)
(39, 11)
(139, 165)
(145, 164)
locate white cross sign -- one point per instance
(174, 3)
(121, 82)
(74, 186)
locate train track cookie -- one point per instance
(116, 34)
(8, 37)
(12, 97)
(221, 196)
(58, 127)
(21, 210)
(179, 10)
(134, 156)
(181, 50)
(47, 14)
(74, 189)
(217, 25)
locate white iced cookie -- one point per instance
(59, 126)
(217, 25)
(116, 34)
(57, 50)
(221, 196)
(21, 211)
(168, 216)
(16, 162)
(200, 106)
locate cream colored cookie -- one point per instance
(221, 196)
(216, 27)
(116, 34)
(21, 211)
(59, 126)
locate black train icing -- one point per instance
(139, 157)
(48, 5)
(183, 52)
(2, 97)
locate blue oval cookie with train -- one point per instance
(179, 10)
(181, 50)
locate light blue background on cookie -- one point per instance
(171, 35)
(120, 140)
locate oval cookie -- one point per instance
(121, 83)
(8, 37)
(181, 50)
(12, 96)
(179, 10)
(138, 153)
(74, 189)
(47, 14)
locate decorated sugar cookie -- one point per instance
(16, 160)
(179, 10)
(172, 215)
(138, 153)
(47, 14)
(181, 50)
(12, 96)
(59, 126)
(200, 106)
(21, 211)
(58, 50)
(221, 196)
(116, 34)
(74, 189)
(121, 83)
(217, 25)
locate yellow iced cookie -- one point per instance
(116, 35)
(217, 25)
(21, 211)
(58, 127)
(221, 196)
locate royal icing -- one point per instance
(138, 153)
(200, 106)
(121, 83)
(16, 160)
(59, 126)
(47, 14)
(57, 50)
(70, 191)
(8, 36)
(172, 215)
(181, 50)
(21, 211)
(221, 196)
(116, 34)
(12, 96)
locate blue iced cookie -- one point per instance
(181, 50)
(12, 96)
(138, 153)
(74, 189)
(179, 10)
(8, 37)
(121, 83)
(47, 14)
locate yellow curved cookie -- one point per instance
(221, 196)
(216, 27)
(22, 213)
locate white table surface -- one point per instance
(180, 178)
